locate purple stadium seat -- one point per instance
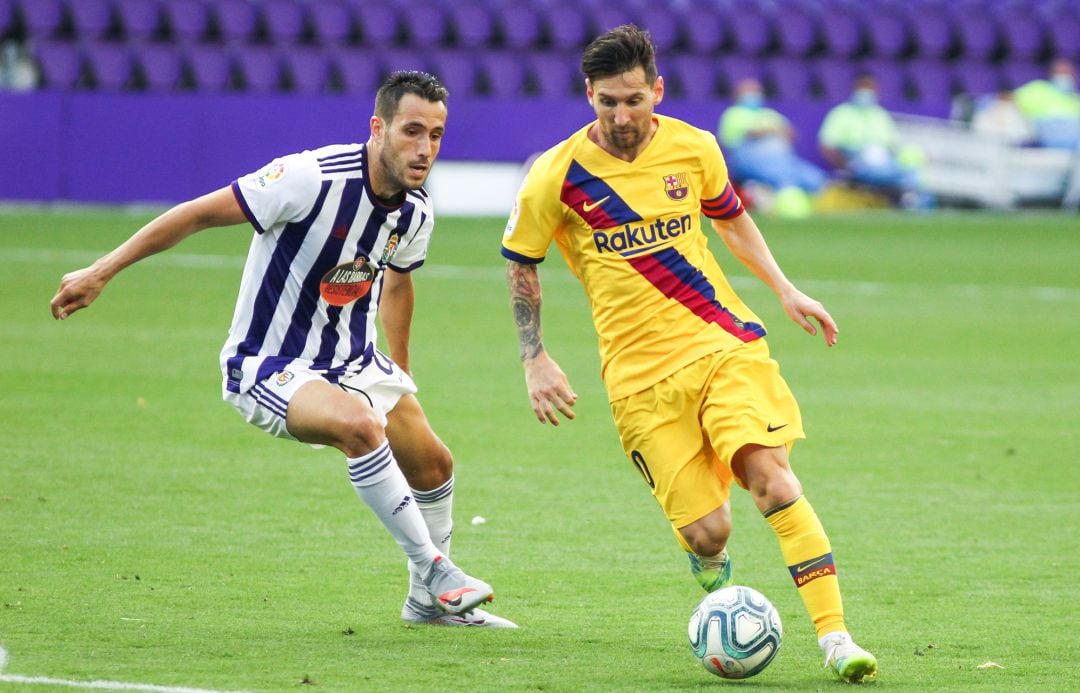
(520, 24)
(41, 18)
(259, 66)
(378, 22)
(975, 77)
(932, 31)
(797, 31)
(695, 75)
(1022, 32)
(7, 16)
(706, 31)
(188, 20)
(285, 20)
(978, 34)
(664, 24)
(91, 19)
(211, 67)
(1063, 27)
(331, 22)
(359, 70)
(568, 25)
(60, 63)
(891, 80)
(932, 81)
(505, 73)
(753, 31)
(1018, 73)
(394, 59)
(456, 69)
(732, 68)
(140, 19)
(790, 78)
(888, 32)
(161, 64)
(110, 64)
(426, 24)
(843, 32)
(310, 69)
(836, 78)
(608, 15)
(556, 73)
(237, 20)
(472, 23)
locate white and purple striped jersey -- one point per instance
(313, 278)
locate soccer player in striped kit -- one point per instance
(696, 398)
(338, 230)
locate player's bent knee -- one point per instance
(358, 431)
(705, 544)
(709, 535)
(442, 462)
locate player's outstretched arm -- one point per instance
(78, 289)
(549, 389)
(742, 236)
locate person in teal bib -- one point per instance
(1053, 106)
(758, 142)
(860, 138)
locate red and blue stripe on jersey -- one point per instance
(681, 281)
(594, 200)
(600, 207)
(726, 205)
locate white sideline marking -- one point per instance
(105, 685)
(559, 274)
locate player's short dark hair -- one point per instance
(402, 82)
(620, 50)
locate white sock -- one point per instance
(836, 636)
(435, 505)
(379, 482)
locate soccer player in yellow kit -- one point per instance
(696, 398)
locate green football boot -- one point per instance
(711, 573)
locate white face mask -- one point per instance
(864, 97)
(752, 99)
(1064, 82)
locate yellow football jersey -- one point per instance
(632, 234)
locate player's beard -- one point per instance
(626, 139)
(395, 168)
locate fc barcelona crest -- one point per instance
(676, 185)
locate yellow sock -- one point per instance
(808, 556)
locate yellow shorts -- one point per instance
(682, 432)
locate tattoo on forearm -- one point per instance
(524, 284)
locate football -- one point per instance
(735, 632)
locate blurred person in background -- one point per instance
(758, 140)
(1053, 106)
(860, 139)
(998, 117)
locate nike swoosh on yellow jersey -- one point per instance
(811, 564)
(590, 207)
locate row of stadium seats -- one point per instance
(954, 29)
(163, 68)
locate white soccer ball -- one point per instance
(735, 632)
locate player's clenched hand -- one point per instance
(549, 389)
(78, 289)
(801, 308)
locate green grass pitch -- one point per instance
(149, 535)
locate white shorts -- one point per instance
(381, 384)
